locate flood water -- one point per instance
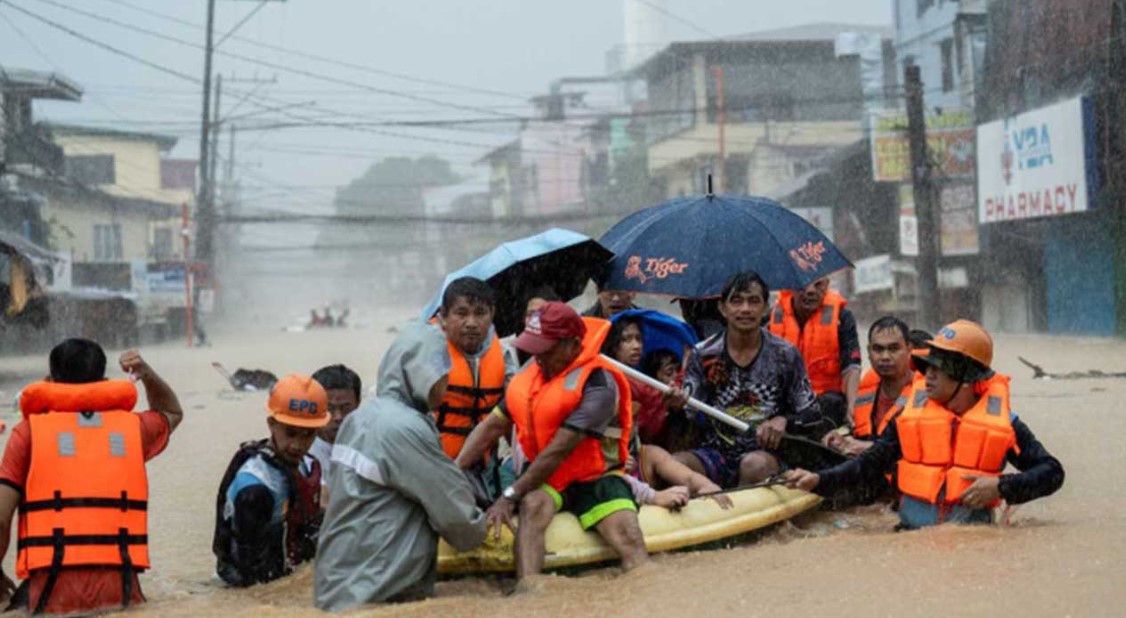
(1064, 555)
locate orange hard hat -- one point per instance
(966, 338)
(299, 401)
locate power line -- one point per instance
(176, 73)
(678, 18)
(264, 63)
(99, 44)
(324, 59)
(407, 219)
(352, 126)
(139, 193)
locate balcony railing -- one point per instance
(33, 147)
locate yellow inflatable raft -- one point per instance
(701, 521)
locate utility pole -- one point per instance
(720, 171)
(186, 235)
(216, 131)
(926, 263)
(229, 176)
(205, 209)
(205, 216)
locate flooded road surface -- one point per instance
(1064, 555)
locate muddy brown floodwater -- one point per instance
(1063, 556)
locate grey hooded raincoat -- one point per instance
(392, 490)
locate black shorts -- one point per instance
(595, 500)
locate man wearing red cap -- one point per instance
(571, 410)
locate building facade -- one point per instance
(1052, 167)
(788, 99)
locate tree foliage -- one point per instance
(394, 186)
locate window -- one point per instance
(162, 243)
(107, 242)
(921, 6)
(91, 169)
(946, 48)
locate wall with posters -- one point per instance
(950, 136)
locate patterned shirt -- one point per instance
(774, 383)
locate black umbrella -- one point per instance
(561, 259)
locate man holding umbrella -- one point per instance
(754, 376)
(610, 302)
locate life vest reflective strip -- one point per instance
(539, 409)
(866, 398)
(940, 447)
(293, 543)
(817, 339)
(468, 397)
(85, 500)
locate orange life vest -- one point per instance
(469, 397)
(817, 339)
(940, 447)
(85, 501)
(539, 408)
(864, 411)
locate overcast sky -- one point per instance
(513, 48)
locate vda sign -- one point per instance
(1028, 147)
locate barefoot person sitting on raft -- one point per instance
(572, 415)
(950, 444)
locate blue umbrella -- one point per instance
(660, 331)
(559, 258)
(689, 247)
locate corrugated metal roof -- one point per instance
(822, 31)
(166, 142)
(39, 85)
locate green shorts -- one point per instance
(596, 500)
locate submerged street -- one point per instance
(1060, 556)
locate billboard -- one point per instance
(1040, 163)
(959, 219)
(950, 140)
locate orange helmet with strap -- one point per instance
(966, 338)
(955, 344)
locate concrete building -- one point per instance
(788, 99)
(137, 215)
(1052, 168)
(946, 40)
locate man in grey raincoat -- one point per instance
(392, 490)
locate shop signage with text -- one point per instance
(1040, 163)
